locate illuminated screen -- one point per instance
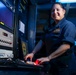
(24, 48)
(6, 15)
(66, 1)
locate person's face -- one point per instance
(57, 12)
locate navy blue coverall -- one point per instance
(63, 32)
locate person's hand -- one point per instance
(43, 59)
(30, 56)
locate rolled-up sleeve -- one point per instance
(69, 33)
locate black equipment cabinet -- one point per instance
(20, 70)
(10, 67)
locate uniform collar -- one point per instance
(60, 24)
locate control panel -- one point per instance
(6, 53)
(6, 41)
(6, 38)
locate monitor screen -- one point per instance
(6, 15)
(66, 1)
(23, 47)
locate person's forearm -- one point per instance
(37, 47)
(62, 49)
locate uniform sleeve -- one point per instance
(69, 33)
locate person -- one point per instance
(59, 42)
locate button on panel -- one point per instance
(6, 38)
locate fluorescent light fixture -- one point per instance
(66, 1)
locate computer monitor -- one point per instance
(6, 15)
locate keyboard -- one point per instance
(6, 62)
(26, 63)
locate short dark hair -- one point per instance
(59, 4)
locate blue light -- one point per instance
(75, 43)
(66, 1)
(2, 5)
